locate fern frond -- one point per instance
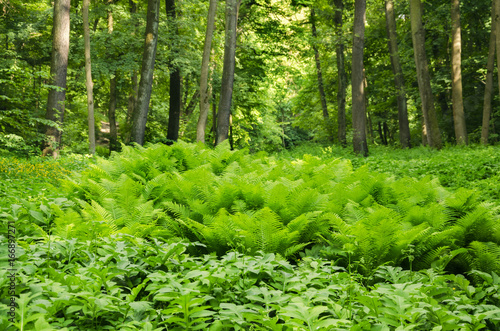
(485, 256)
(178, 210)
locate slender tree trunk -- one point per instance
(456, 75)
(342, 76)
(132, 101)
(132, 97)
(404, 126)
(321, 88)
(88, 76)
(368, 128)
(423, 77)
(214, 118)
(205, 87)
(232, 7)
(140, 115)
(174, 112)
(488, 88)
(58, 71)
(113, 132)
(497, 42)
(358, 87)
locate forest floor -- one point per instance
(316, 238)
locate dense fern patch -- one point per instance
(293, 244)
(230, 200)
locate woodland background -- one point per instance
(293, 71)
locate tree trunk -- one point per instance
(232, 7)
(214, 119)
(113, 132)
(140, 115)
(497, 41)
(456, 76)
(205, 88)
(488, 88)
(321, 89)
(342, 76)
(58, 71)
(88, 76)
(423, 77)
(358, 89)
(132, 101)
(175, 100)
(404, 127)
(132, 97)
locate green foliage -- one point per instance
(122, 245)
(127, 283)
(229, 200)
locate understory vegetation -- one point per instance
(185, 237)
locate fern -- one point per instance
(485, 256)
(461, 203)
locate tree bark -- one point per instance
(205, 87)
(342, 76)
(113, 132)
(358, 89)
(58, 71)
(132, 97)
(88, 76)
(148, 61)
(232, 7)
(404, 126)
(456, 76)
(174, 112)
(423, 77)
(321, 88)
(132, 101)
(497, 40)
(488, 88)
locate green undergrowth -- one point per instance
(184, 237)
(474, 167)
(230, 200)
(37, 179)
(127, 283)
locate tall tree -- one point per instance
(358, 87)
(404, 127)
(88, 76)
(423, 77)
(140, 115)
(58, 71)
(205, 88)
(488, 88)
(174, 112)
(226, 94)
(342, 75)
(319, 73)
(132, 97)
(456, 75)
(113, 132)
(497, 37)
